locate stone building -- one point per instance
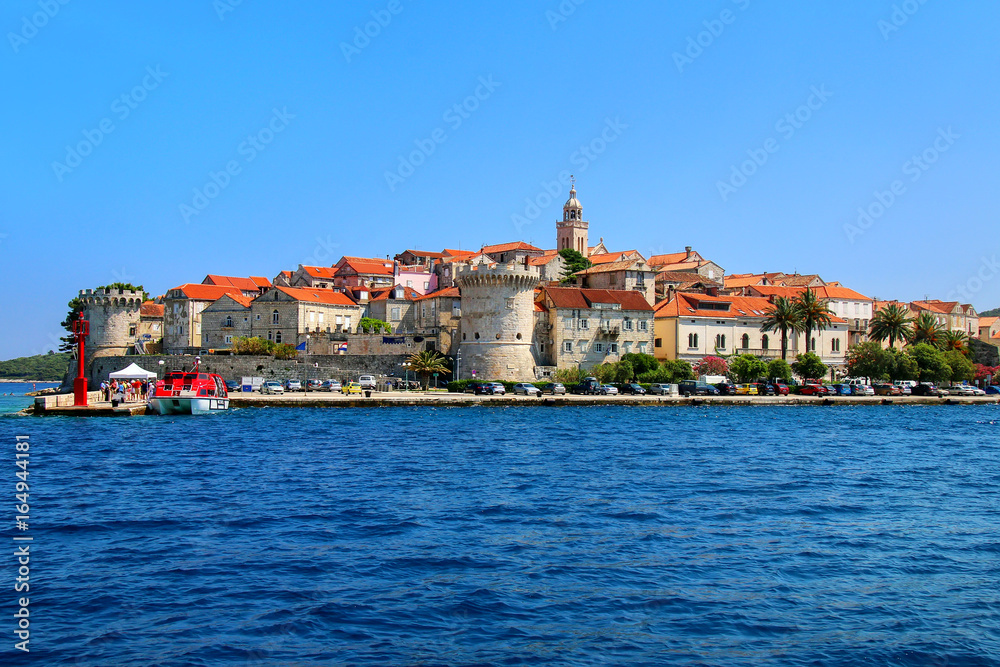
(394, 306)
(497, 323)
(436, 316)
(251, 287)
(319, 277)
(150, 335)
(287, 314)
(572, 230)
(182, 315)
(115, 318)
(225, 319)
(365, 272)
(629, 274)
(582, 328)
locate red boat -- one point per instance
(189, 393)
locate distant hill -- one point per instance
(49, 367)
(994, 312)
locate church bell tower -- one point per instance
(571, 231)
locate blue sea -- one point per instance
(865, 535)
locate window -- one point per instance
(764, 342)
(627, 324)
(395, 313)
(568, 346)
(835, 345)
(274, 317)
(582, 345)
(131, 330)
(642, 347)
(745, 344)
(510, 303)
(643, 325)
(277, 337)
(720, 341)
(692, 340)
(229, 339)
(409, 283)
(228, 322)
(598, 347)
(812, 344)
(612, 348)
(584, 324)
(347, 323)
(270, 335)
(658, 342)
(627, 346)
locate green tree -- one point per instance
(427, 362)
(568, 375)
(870, 360)
(955, 340)
(641, 363)
(931, 366)
(256, 345)
(747, 368)
(962, 368)
(809, 366)
(927, 330)
(893, 323)
(778, 369)
(68, 342)
(373, 325)
(574, 262)
(604, 373)
(813, 314)
(624, 372)
(678, 370)
(285, 351)
(904, 367)
(783, 316)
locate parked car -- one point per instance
(961, 390)
(726, 388)
(553, 388)
(367, 381)
(499, 389)
(351, 388)
(746, 390)
(976, 391)
(527, 389)
(659, 388)
(765, 389)
(232, 385)
(293, 385)
(904, 389)
(924, 389)
(862, 390)
(840, 389)
(330, 385)
(885, 389)
(609, 390)
(588, 385)
(781, 389)
(696, 388)
(272, 387)
(313, 384)
(633, 388)
(813, 390)
(478, 388)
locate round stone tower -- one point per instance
(114, 322)
(498, 318)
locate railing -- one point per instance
(609, 331)
(760, 352)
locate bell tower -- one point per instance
(571, 231)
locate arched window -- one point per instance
(270, 336)
(229, 321)
(746, 341)
(764, 342)
(692, 340)
(720, 341)
(277, 337)
(274, 317)
(812, 344)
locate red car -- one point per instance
(781, 389)
(814, 390)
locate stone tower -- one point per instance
(498, 319)
(571, 231)
(114, 322)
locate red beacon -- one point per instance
(81, 329)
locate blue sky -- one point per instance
(651, 105)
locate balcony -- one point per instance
(609, 330)
(760, 352)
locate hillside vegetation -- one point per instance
(49, 367)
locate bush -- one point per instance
(809, 365)
(778, 369)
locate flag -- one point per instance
(342, 349)
(301, 346)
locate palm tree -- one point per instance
(813, 313)
(427, 362)
(955, 340)
(892, 322)
(784, 317)
(927, 330)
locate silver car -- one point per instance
(526, 388)
(498, 389)
(272, 387)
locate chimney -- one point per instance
(687, 249)
(712, 291)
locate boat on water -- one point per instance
(189, 393)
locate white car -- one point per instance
(527, 389)
(272, 387)
(867, 389)
(608, 389)
(367, 381)
(966, 390)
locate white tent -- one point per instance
(133, 372)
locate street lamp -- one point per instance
(406, 375)
(161, 369)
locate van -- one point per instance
(367, 381)
(696, 388)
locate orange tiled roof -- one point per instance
(579, 298)
(450, 292)
(199, 292)
(245, 284)
(541, 261)
(505, 247)
(607, 257)
(692, 305)
(320, 271)
(669, 258)
(458, 255)
(369, 265)
(987, 321)
(324, 296)
(409, 294)
(150, 309)
(424, 253)
(610, 267)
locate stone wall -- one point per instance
(235, 367)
